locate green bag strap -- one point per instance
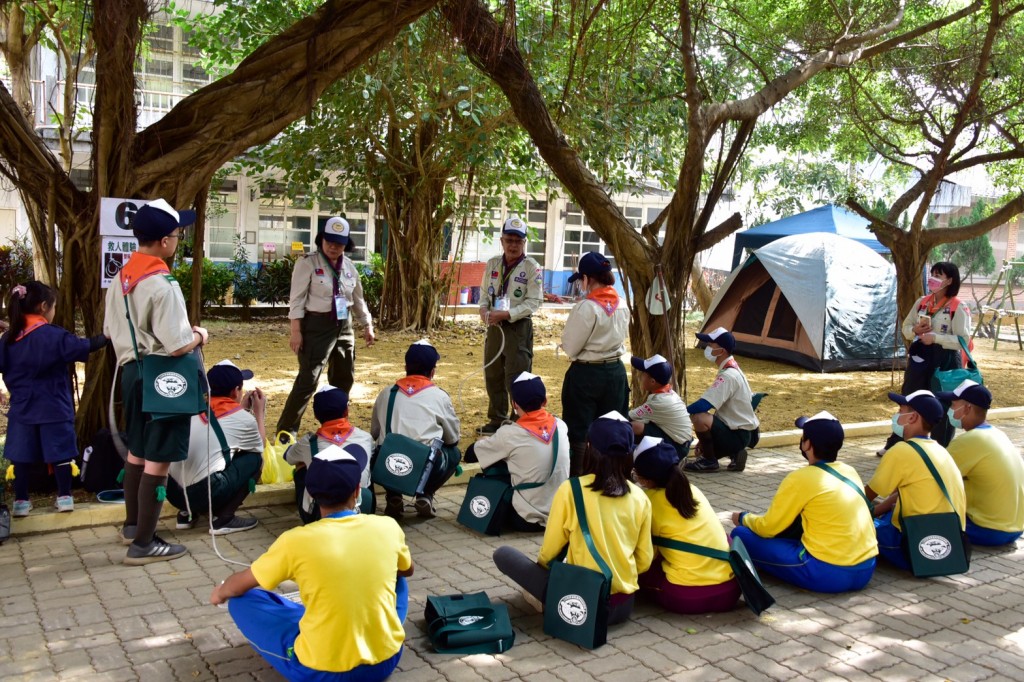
(581, 514)
(971, 364)
(681, 546)
(860, 491)
(450, 623)
(131, 327)
(219, 432)
(314, 446)
(554, 459)
(931, 468)
(391, 410)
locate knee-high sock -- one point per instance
(149, 508)
(707, 445)
(62, 472)
(21, 473)
(132, 476)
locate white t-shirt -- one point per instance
(241, 433)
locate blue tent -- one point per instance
(827, 218)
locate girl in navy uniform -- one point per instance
(34, 358)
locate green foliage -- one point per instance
(274, 281)
(972, 256)
(371, 275)
(216, 281)
(246, 278)
(15, 266)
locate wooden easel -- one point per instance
(1000, 313)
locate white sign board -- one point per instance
(117, 243)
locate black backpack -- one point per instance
(101, 465)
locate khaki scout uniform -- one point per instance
(301, 453)
(325, 338)
(734, 421)
(523, 284)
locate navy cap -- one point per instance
(611, 435)
(225, 377)
(971, 391)
(329, 403)
(658, 367)
(421, 358)
(157, 219)
(335, 472)
(592, 263)
(722, 337)
(528, 391)
(922, 402)
(823, 430)
(654, 459)
(515, 227)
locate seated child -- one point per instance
(664, 413)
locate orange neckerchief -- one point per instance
(540, 424)
(32, 323)
(667, 388)
(139, 267)
(411, 385)
(336, 430)
(222, 406)
(606, 299)
(932, 306)
(731, 362)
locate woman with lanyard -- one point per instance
(326, 294)
(935, 326)
(594, 338)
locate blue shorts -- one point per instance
(890, 541)
(987, 537)
(788, 560)
(30, 443)
(271, 624)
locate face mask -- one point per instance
(897, 428)
(934, 284)
(956, 423)
(802, 451)
(709, 354)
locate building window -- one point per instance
(537, 218)
(579, 238)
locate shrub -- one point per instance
(215, 283)
(245, 276)
(371, 275)
(274, 281)
(15, 267)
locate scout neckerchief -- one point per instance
(540, 424)
(32, 323)
(731, 362)
(606, 299)
(506, 272)
(336, 430)
(139, 267)
(411, 385)
(932, 306)
(336, 279)
(221, 406)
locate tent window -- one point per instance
(783, 325)
(750, 319)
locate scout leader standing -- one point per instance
(326, 293)
(158, 326)
(510, 293)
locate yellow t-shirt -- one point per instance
(687, 568)
(993, 475)
(346, 569)
(837, 524)
(903, 469)
(620, 526)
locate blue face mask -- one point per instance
(956, 423)
(897, 428)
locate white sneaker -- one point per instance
(65, 503)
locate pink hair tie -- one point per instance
(19, 290)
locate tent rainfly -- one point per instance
(818, 300)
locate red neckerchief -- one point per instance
(540, 424)
(411, 385)
(667, 388)
(32, 323)
(336, 430)
(139, 267)
(929, 303)
(606, 299)
(731, 362)
(221, 406)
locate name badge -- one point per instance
(502, 303)
(341, 307)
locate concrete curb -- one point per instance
(98, 514)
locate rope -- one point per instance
(501, 349)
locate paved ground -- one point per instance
(70, 611)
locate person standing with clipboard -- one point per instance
(326, 294)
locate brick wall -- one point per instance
(467, 275)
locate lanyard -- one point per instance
(334, 271)
(342, 514)
(506, 272)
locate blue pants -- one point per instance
(988, 537)
(789, 561)
(890, 541)
(271, 624)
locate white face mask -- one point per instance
(709, 354)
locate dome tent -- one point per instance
(815, 300)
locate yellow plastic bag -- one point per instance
(275, 469)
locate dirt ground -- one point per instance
(853, 396)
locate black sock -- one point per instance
(132, 477)
(21, 474)
(149, 508)
(62, 472)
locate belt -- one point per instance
(598, 362)
(313, 313)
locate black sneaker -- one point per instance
(424, 506)
(236, 524)
(184, 521)
(157, 550)
(701, 464)
(739, 462)
(394, 505)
